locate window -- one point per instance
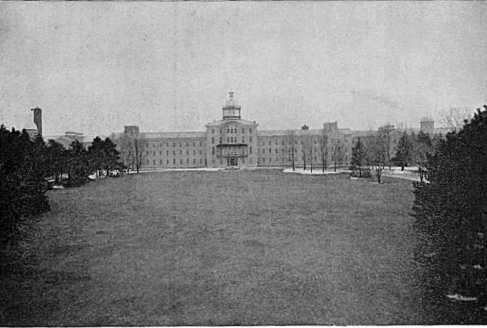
(187, 160)
(250, 130)
(213, 150)
(243, 139)
(250, 139)
(201, 161)
(180, 151)
(160, 152)
(250, 150)
(180, 161)
(212, 140)
(154, 162)
(160, 162)
(194, 161)
(194, 152)
(174, 161)
(263, 151)
(270, 151)
(187, 151)
(174, 144)
(167, 162)
(167, 152)
(213, 131)
(243, 131)
(186, 144)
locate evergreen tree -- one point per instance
(358, 156)
(451, 211)
(404, 150)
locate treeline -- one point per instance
(451, 215)
(371, 154)
(28, 167)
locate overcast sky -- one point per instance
(95, 67)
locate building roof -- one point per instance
(299, 132)
(160, 135)
(220, 122)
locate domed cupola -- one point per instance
(231, 110)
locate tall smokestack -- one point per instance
(38, 119)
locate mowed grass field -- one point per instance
(221, 248)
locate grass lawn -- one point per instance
(224, 248)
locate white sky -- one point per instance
(94, 67)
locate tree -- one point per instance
(404, 150)
(96, 152)
(111, 156)
(359, 154)
(138, 147)
(292, 147)
(131, 152)
(385, 137)
(56, 160)
(23, 173)
(376, 155)
(324, 151)
(304, 145)
(422, 147)
(451, 211)
(78, 164)
(337, 152)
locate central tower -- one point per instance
(231, 111)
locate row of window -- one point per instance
(242, 160)
(213, 150)
(154, 153)
(181, 161)
(179, 144)
(230, 139)
(276, 142)
(231, 129)
(283, 150)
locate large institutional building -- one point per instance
(236, 142)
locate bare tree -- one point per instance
(376, 155)
(304, 145)
(138, 153)
(324, 151)
(455, 118)
(291, 148)
(385, 137)
(132, 152)
(337, 152)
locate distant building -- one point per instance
(234, 142)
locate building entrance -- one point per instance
(232, 161)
